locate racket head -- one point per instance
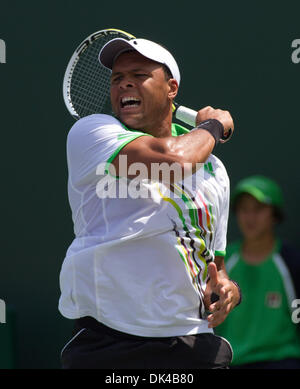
(86, 84)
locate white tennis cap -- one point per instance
(112, 49)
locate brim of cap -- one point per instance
(112, 50)
(259, 196)
(256, 193)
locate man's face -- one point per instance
(255, 219)
(140, 92)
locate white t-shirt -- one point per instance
(138, 262)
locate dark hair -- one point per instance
(278, 214)
(168, 74)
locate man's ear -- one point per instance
(173, 85)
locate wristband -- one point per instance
(240, 292)
(214, 127)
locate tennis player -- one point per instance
(139, 276)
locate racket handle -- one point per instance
(188, 116)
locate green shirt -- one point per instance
(261, 328)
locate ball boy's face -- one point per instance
(254, 218)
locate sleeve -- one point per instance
(222, 223)
(93, 142)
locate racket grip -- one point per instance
(186, 115)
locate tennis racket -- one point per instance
(86, 84)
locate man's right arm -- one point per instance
(186, 150)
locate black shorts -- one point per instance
(95, 346)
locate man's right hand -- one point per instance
(223, 116)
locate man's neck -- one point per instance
(163, 129)
(257, 250)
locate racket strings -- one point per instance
(90, 82)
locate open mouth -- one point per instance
(130, 102)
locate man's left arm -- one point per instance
(228, 292)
